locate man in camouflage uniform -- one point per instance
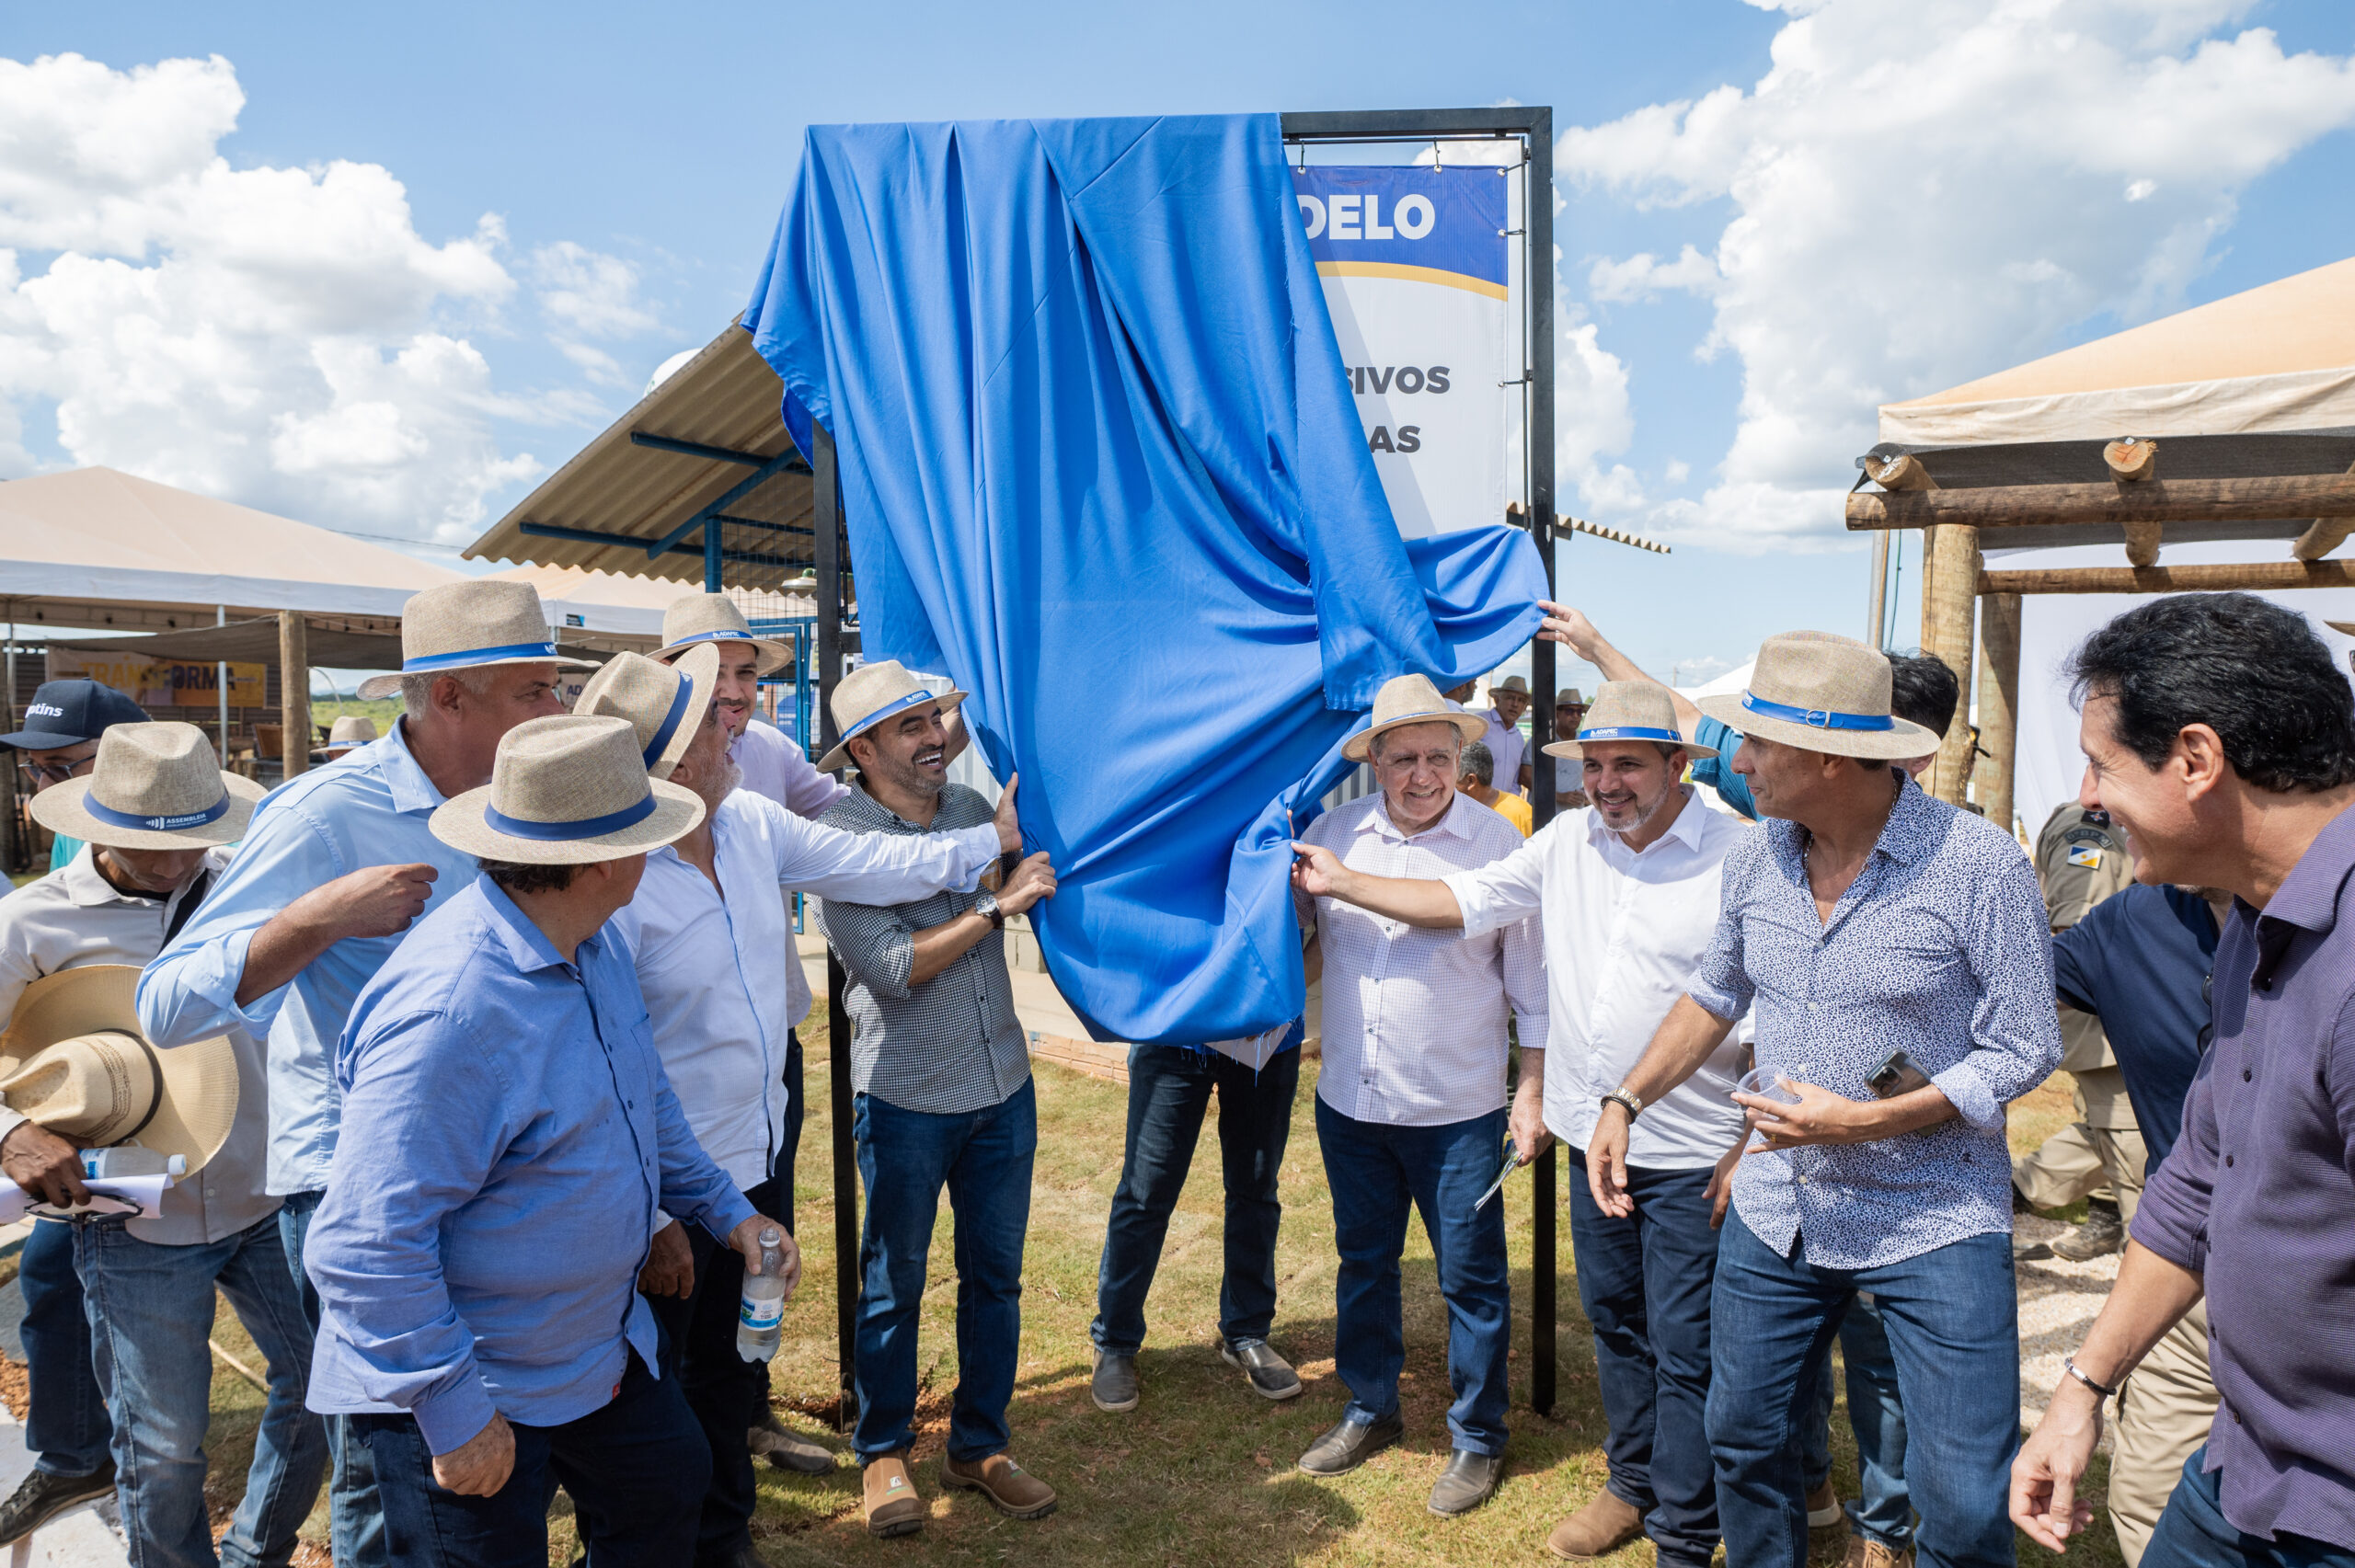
(2081, 860)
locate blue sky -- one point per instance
(635, 160)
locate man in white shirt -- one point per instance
(1411, 1102)
(1508, 700)
(707, 929)
(1628, 894)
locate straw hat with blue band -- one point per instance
(351, 732)
(1405, 700)
(464, 626)
(665, 702)
(153, 786)
(73, 1058)
(715, 618)
(872, 693)
(1821, 691)
(566, 791)
(1630, 710)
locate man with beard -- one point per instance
(941, 1068)
(1628, 895)
(722, 1018)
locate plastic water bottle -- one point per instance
(760, 1321)
(130, 1160)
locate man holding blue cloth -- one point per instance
(513, 1143)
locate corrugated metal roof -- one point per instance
(725, 397)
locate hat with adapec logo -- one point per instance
(1630, 710)
(874, 693)
(665, 702)
(464, 626)
(73, 1061)
(67, 712)
(1822, 692)
(715, 618)
(567, 790)
(1410, 699)
(153, 786)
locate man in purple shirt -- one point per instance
(2219, 736)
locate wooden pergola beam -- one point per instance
(2213, 579)
(2322, 536)
(2131, 463)
(2149, 500)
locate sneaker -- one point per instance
(889, 1497)
(1012, 1490)
(1272, 1376)
(43, 1497)
(2103, 1232)
(787, 1450)
(1114, 1387)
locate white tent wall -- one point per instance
(2052, 624)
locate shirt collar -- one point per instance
(390, 757)
(526, 945)
(1451, 822)
(2308, 897)
(87, 888)
(1686, 829)
(1904, 838)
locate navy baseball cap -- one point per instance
(67, 712)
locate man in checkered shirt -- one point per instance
(1411, 1102)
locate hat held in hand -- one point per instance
(73, 1060)
(153, 786)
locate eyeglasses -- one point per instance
(42, 774)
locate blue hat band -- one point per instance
(914, 699)
(464, 657)
(723, 635)
(670, 724)
(1816, 718)
(1632, 732)
(108, 815)
(563, 833)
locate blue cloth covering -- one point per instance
(1101, 466)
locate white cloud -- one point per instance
(280, 337)
(1924, 191)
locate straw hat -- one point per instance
(1410, 699)
(1569, 697)
(73, 1061)
(351, 732)
(155, 787)
(464, 626)
(1509, 683)
(1631, 710)
(567, 790)
(1821, 693)
(714, 618)
(872, 693)
(665, 702)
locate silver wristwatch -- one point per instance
(1626, 1100)
(986, 906)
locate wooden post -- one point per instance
(1950, 597)
(1877, 602)
(1999, 704)
(294, 691)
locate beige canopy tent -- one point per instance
(2211, 449)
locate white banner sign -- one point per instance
(1414, 262)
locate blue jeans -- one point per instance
(66, 1426)
(1378, 1174)
(905, 1157)
(151, 1314)
(2194, 1533)
(355, 1514)
(1953, 1320)
(636, 1468)
(1883, 1510)
(1644, 1286)
(1169, 1090)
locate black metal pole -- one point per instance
(1537, 217)
(826, 523)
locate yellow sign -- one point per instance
(162, 683)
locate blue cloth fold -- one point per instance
(1102, 467)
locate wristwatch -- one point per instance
(987, 907)
(1626, 1100)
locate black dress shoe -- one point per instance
(43, 1497)
(1468, 1481)
(1114, 1387)
(1272, 1376)
(1351, 1442)
(786, 1449)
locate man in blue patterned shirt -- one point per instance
(1894, 952)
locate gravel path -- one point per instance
(2057, 1302)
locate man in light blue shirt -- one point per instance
(335, 866)
(513, 1143)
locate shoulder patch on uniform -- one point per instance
(2085, 855)
(2089, 836)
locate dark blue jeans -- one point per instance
(1169, 1091)
(1644, 1284)
(355, 1514)
(2194, 1533)
(1379, 1175)
(636, 1468)
(905, 1158)
(67, 1425)
(1953, 1320)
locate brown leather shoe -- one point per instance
(1601, 1528)
(1865, 1553)
(1012, 1490)
(892, 1505)
(1823, 1510)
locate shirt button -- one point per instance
(2228, 1159)
(2243, 1075)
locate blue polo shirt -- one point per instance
(1717, 771)
(2139, 961)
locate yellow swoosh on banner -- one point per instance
(1412, 274)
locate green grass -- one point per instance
(1202, 1472)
